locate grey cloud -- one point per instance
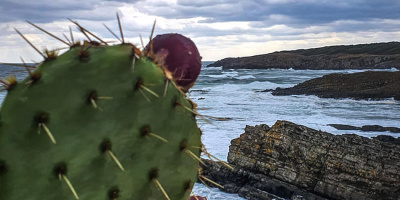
(204, 3)
(299, 16)
(49, 10)
(218, 11)
(301, 12)
(316, 13)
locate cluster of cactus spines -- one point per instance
(98, 122)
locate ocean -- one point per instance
(235, 97)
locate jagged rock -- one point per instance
(346, 166)
(363, 85)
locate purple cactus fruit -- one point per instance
(180, 56)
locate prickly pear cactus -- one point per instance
(97, 123)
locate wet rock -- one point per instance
(375, 128)
(364, 85)
(251, 185)
(393, 129)
(388, 138)
(344, 127)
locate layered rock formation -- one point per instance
(363, 85)
(252, 185)
(346, 166)
(364, 56)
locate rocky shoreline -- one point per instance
(363, 56)
(315, 62)
(363, 85)
(291, 161)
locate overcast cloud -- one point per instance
(220, 28)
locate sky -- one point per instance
(220, 28)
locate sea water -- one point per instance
(235, 95)
(234, 99)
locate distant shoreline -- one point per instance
(362, 56)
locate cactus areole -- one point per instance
(98, 122)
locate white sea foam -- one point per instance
(214, 193)
(211, 68)
(246, 77)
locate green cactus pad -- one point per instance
(97, 123)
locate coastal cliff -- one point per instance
(363, 56)
(287, 159)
